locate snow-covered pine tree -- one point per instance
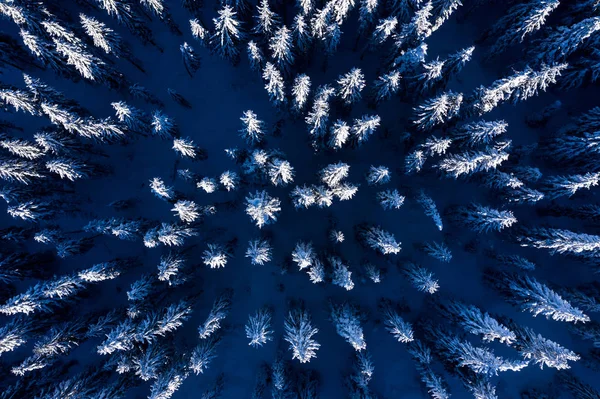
(483, 219)
(518, 87)
(280, 172)
(202, 355)
(560, 241)
(442, 10)
(274, 84)
(300, 92)
(301, 33)
(342, 276)
(438, 251)
(364, 128)
(421, 278)
(390, 199)
(378, 175)
(386, 86)
(303, 196)
(430, 209)
(481, 132)
(219, 311)
(565, 40)
(187, 211)
(280, 45)
(299, 334)
(258, 328)
(333, 174)
(476, 322)
(253, 131)
(200, 32)
(543, 352)
(346, 319)
(536, 298)
(379, 240)
(259, 252)
(438, 110)
(216, 256)
(338, 135)
(227, 34)
(558, 186)
(350, 86)
(191, 61)
(470, 162)
(520, 21)
(318, 116)
(395, 325)
(255, 56)
(262, 208)
(266, 20)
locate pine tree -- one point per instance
(262, 208)
(103, 37)
(346, 319)
(299, 334)
(333, 174)
(517, 87)
(351, 86)
(227, 34)
(19, 100)
(482, 219)
(280, 45)
(300, 92)
(390, 199)
(438, 110)
(342, 276)
(304, 255)
(216, 256)
(476, 322)
(395, 325)
(258, 328)
(255, 56)
(280, 172)
(560, 241)
(274, 84)
(442, 10)
(520, 21)
(421, 278)
(259, 252)
(380, 240)
(163, 126)
(266, 20)
(544, 352)
(367, 14)
(558, 186)
(338, 135)
(187, 211)
(219, 311)
(200, 32)
(364, 128)
(203, 354)
(438, 251)
(253, 131)
(301, 34)
(191, 61)
(430, 209)
(471, 162)
(482, 132)
(17, 170)
(565, 40)
(386, 86)
(538, 299)
(318, 116)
